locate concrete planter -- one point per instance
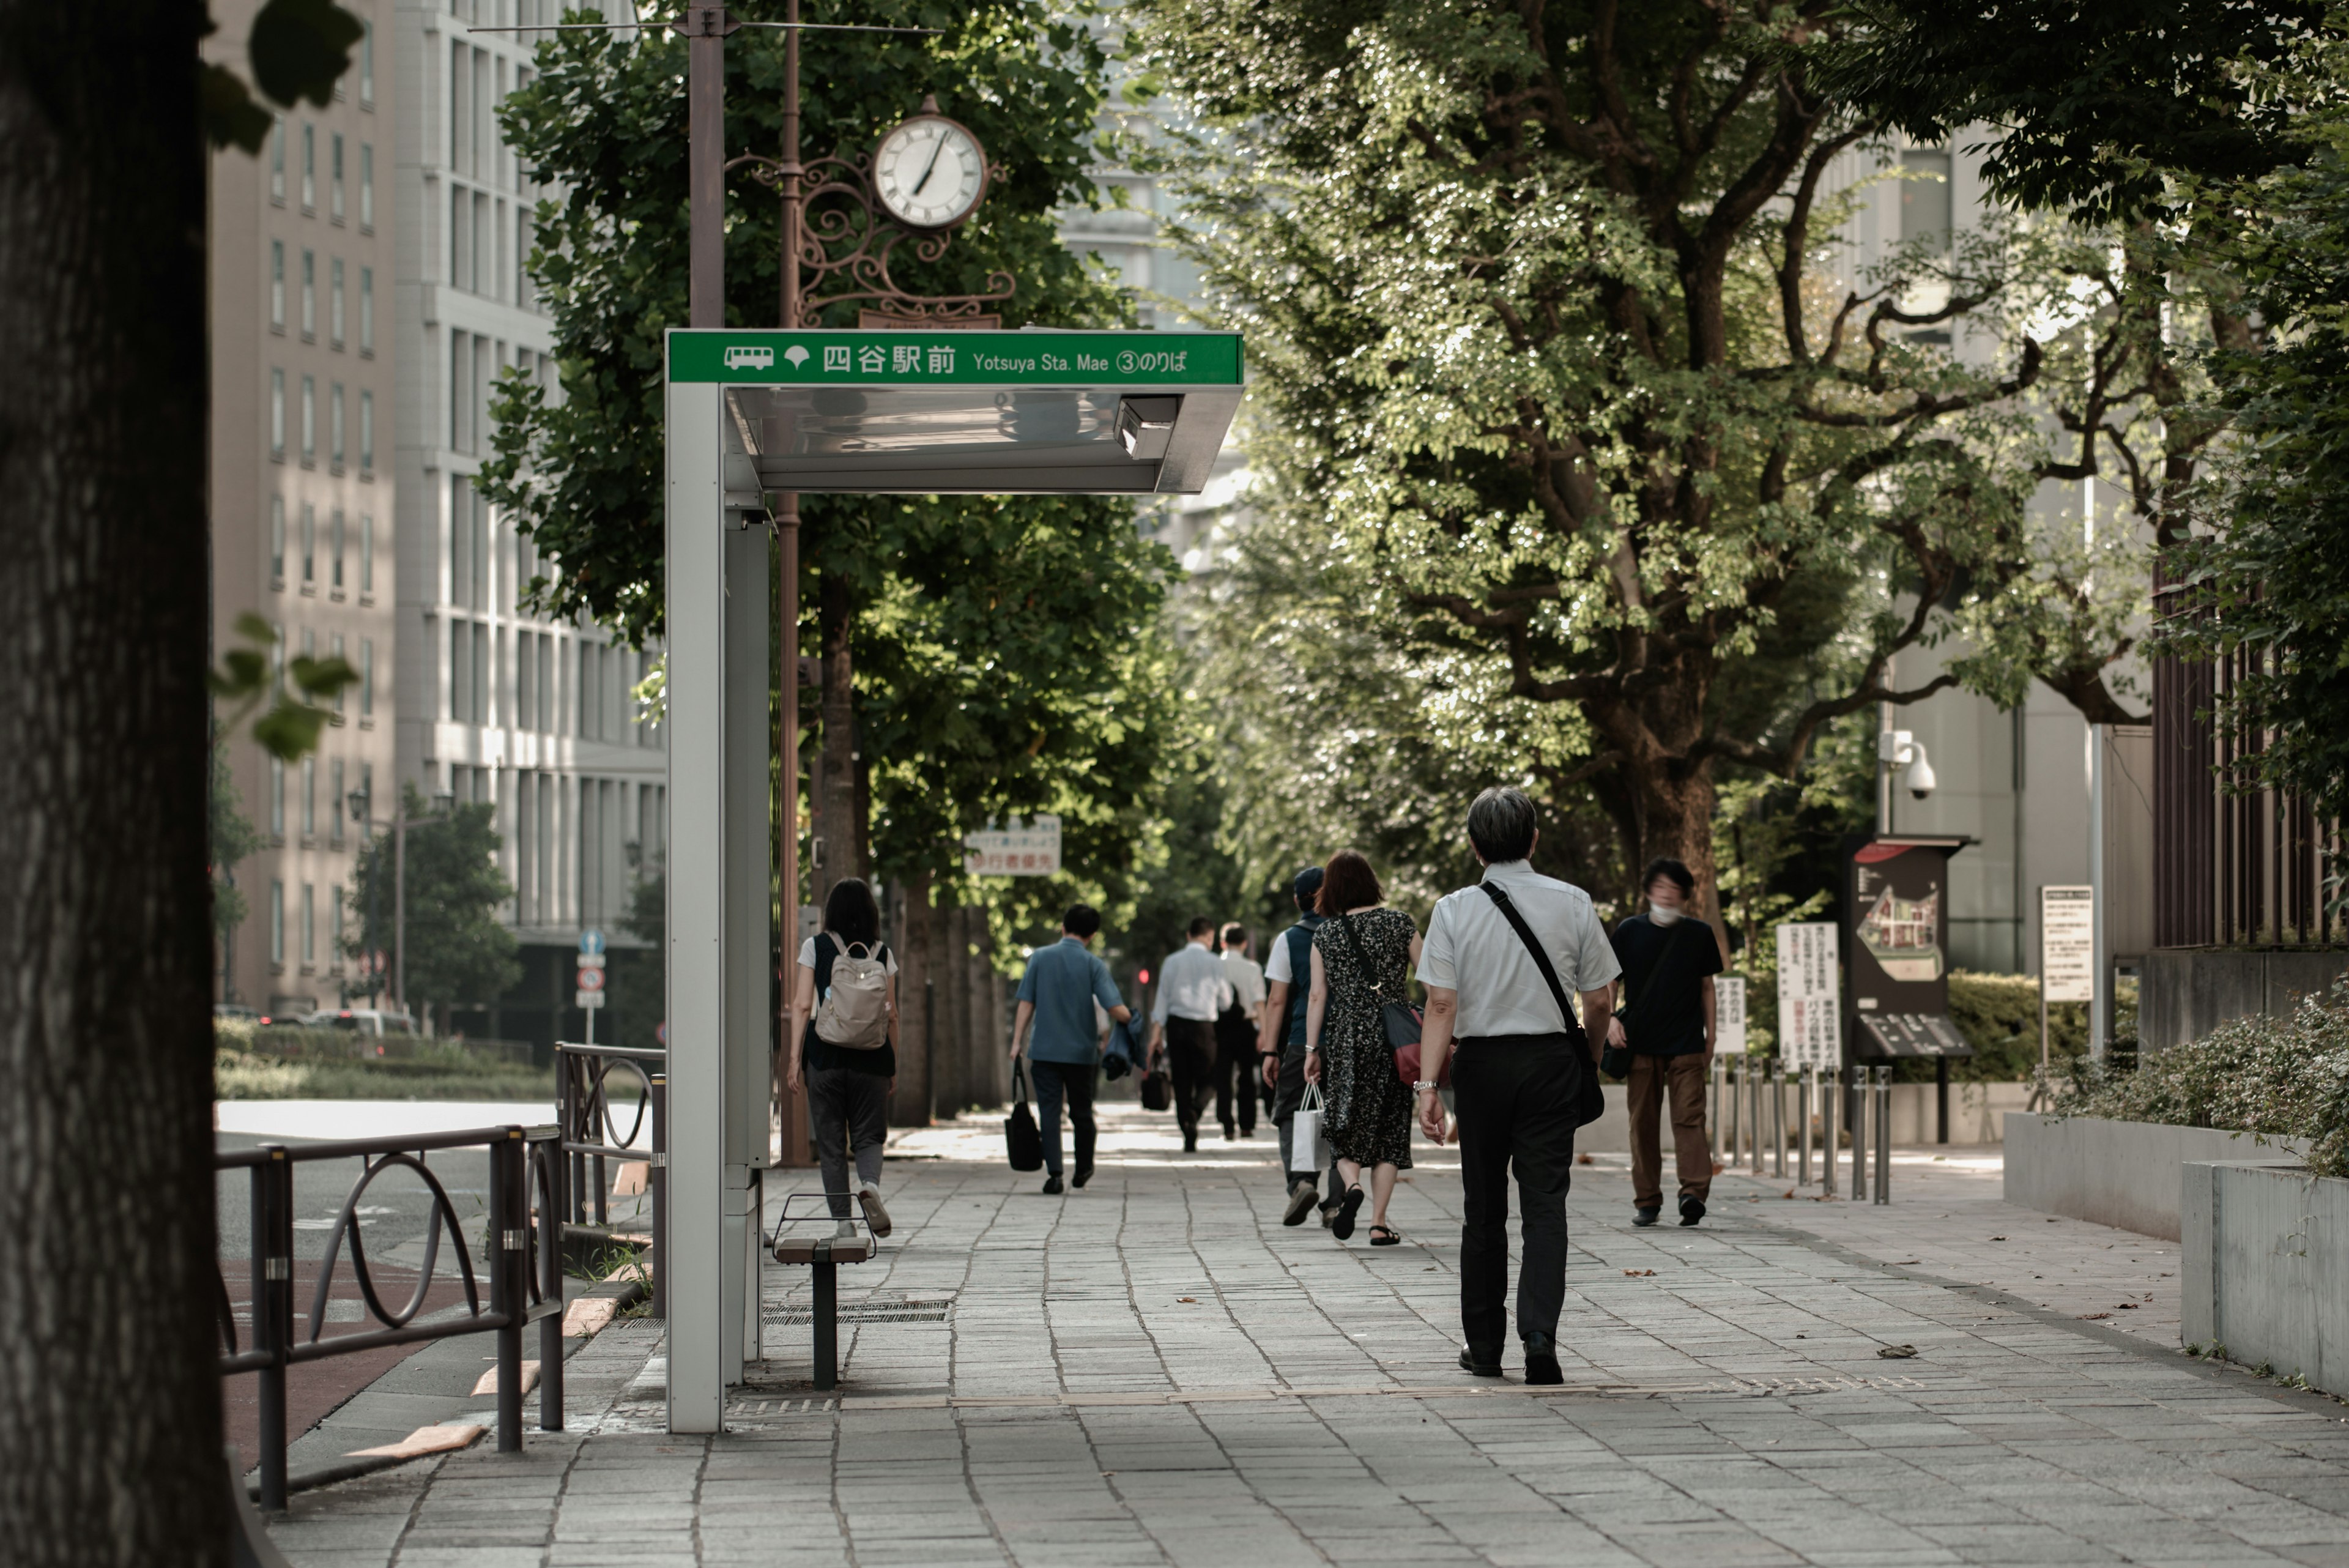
(2124, 1174)
(2266, 1269)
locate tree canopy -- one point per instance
(458, 952)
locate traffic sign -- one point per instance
(591, 940)
(589, 1000)
(591, 980)
(591, 960)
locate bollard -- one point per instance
(1884, 1134)
(657, 1177)
(1717, 1106)
(1831, 1128)
(273, 1313)
(1777, 1118)
(1803, 1124)
(549, 1231)
(509, 1288)
(1729, 1093)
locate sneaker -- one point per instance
(847, 1230)
(1644, 1218)
(875, 1214)
(1302, 1195)
(1051, 1185)
(1692, 1211)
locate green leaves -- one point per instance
(299, 693)
(299, 49)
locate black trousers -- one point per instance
(1235, 1061)
(1190, 1062)
(1072, 1082)
(1516, 1098)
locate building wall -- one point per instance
(301, 287)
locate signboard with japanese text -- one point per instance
(1030, 851)
(1728, 1014)
(1810, 1018)
(2067, 944)
(907, 358)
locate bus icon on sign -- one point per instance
(754, 359)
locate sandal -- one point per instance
(1385, 1236)
(1343, 1227)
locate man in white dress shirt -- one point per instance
(1192, 989)
(1526, 1077)
(1235, 1031)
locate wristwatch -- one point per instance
(1421, 1086)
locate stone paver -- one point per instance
(1154, 1371)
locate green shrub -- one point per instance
(2278, 1076)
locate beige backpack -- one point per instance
(855, 1010)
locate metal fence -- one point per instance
(523, 1265)
(592, 1137)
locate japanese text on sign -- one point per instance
(1810, 1025)
(1030, 851)
(1728, 1014)
(2067, 944)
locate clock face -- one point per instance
(929, 172)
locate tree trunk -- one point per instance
(111, 1454)
(909, 1108)
(836, 768)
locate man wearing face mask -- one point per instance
(1665, 1009)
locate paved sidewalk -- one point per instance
(1153, 1370)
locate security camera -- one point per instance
(1920, 777)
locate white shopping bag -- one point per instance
(1307, 1149)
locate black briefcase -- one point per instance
(1023, 1143)
(1157, 1091)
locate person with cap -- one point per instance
(1288, 973)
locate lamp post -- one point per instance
(361, 803)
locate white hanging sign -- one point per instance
(2067, 944)
(1030, 851)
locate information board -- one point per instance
(2067, 944)
(1030, 851)
(1810, 1021)
(1728, 1014)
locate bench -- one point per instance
(822, 1251)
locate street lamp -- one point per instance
(362, 808)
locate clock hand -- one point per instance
(931, 166)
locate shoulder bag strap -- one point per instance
(1541, 958)
(1672, 944)
(1354, 941)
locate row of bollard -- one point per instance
(1750, 1125)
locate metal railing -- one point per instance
(592, 1137)
(523, 1264)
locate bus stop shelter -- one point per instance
(895, 411)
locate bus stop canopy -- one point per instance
(952, 412)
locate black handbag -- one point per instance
(1023, 1143)
(1400, 1019)
(1614, 1060)
(1590, 1099)
(1157, 1091)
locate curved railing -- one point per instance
(522, 1268)
(593, 1134)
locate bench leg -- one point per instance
(827, 1325)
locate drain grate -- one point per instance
(863, 1311)
(758, 1409)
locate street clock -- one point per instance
(929, 172)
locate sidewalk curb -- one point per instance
(626, 1293)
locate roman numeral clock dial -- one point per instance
(929, 172)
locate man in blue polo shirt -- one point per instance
(1055, 1029)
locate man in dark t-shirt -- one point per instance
(1664, 1006)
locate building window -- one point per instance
(309, 795)
(522, 287)
(309, 545)
(334, 302)
(334, 647)
(335, 561)
(309, 925)
(277, 923)
(335, 786)
(278, 682)
(461, 372)
(277, 414)
(1925, 207)
(334, 426)
(277, 541)
(334, 178)
(366, 187)
(366, 432)
(367, 552)
(460, 675)
(367, 680)
(460, 237)
(309, 418)
(461, 107)
(367, 310)
(335, 922)
(309, 167)
(310, 296)
(546, 715)
(277, 285)
(277, 799)
(482, 669)
(277, 158)
(366, 64)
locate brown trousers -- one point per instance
(1682, 1080)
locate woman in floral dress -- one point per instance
(1361, 956)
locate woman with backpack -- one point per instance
(845, 1061)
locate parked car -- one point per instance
(236, 1011)
(361, 1020)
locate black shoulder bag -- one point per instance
(1589, 1100)
(1400, 1019)
(1023, 1140)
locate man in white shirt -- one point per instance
(1235, 1031)
(1526, 1077)
(1192, 989)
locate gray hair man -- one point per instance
(1497, 963)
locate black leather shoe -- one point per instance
(1051, 1185)
(1692, 1211)
(1644, 1218)
(1085, 1174)
(1541, 1360)
(1468, 1363)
